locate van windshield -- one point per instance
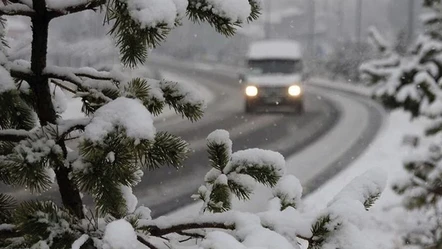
(272, 66)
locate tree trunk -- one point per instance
(44, 107)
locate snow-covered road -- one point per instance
(336, 128)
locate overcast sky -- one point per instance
(389, 16)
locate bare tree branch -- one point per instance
(146, 243)
(61, 85)
(16, 9)
(156, 231)
(193, 235)
(304, 238)
(203, 223)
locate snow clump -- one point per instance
(120, 234)
(125, 112)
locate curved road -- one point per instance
(167, 189)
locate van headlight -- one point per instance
(294, 90)
(251, 91)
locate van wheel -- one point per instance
(299, 109)
(249, 107)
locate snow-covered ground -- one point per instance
(384, 152)
(391, 220)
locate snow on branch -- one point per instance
(13, 135)
(74, 75)
(67, 126)
(128, 113)
(246, 227)
(342, 223)
(166, 225)
(236, 174)
(62, 74)
(151, 13)
(430, 17)
(92, 73)
(62, 130)
(105, 86)
(6, 82)
(289, 191)
(16, 9)
(21, 69)
(61, 8)
(365, 188)
(25, 2)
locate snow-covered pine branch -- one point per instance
(99, 87)
(16, 9)
(13, 135)
(409, 82)
(413, 82)
(236, 174)
(227, 14)
(378, 40)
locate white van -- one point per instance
(274, 75)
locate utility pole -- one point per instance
(358, 23)
(328, 15)
(268, 21)
(312, 29)
(410, 22)
(340, 24)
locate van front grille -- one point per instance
(272, 91)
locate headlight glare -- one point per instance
(295, 90)
(251, 91)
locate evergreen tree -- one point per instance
(401, 43)
(118, 142)
(346, 58)
(412, 82)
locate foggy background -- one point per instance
(332, 32)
